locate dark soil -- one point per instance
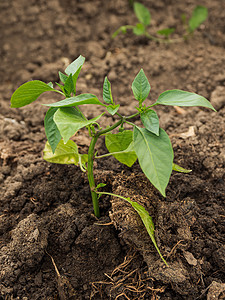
(51, 245)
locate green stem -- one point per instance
(90, 173)
(91, 176)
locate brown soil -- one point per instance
(51, 245)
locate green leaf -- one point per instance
(64, 153)
(29, 92)
(75, 65)
(50, 84)
(77, 100)
(74, 68)
(68, 86)
(62, 77)
(100, 185)
(141, 87)
(182, 98)
(112, 109)
(199, 15)
(107, 93)
(142, 13)
(180, 169)
(51, 130)
(166, 32)
(69, 121)
(139, 29)
(120, 145)
(150, 120)
(122, 29)
(155, 156)
(148, 223)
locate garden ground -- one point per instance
(51, 245)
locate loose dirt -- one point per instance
(51, 245)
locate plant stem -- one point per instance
(90, 174)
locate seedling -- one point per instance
(199, 15)
(150, 144)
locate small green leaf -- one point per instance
(166, 32)
(50, 84)
(63, 77)
(139, 29)
(142, 13)
(148, 223)
(155, 156)
(120, 145)
(74, 68)
(182, 98)
(112, 109)
(29, 92)
(75, 65)
(68, 86)
(150, 120)
(64, 153)
(100, 185)
(51, 130)
(199, 15)
(77, 100)
(141, 87)
(69, 121)
(107, 93)
(180, 169)
(122, 29)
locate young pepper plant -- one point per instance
(149, 144)
(199, 15)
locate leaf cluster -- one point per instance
(149, 144)
(199, 15)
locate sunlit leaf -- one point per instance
(150, 120)
(29, 92)
(141, 86)
(155, 156)
(121, 147)
(69, 121)
(77, 100)
(183, 98)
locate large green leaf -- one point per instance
(148, 223)
(199, 15)
(107, 93)
(74, 68)
(120, 145)
(182, 98)
(77, 100)
(29, 92)
(64, 153)
(150, 120)
(155, 156)
(69, 121)
(51, 130)
(142, 13)
(141, 86)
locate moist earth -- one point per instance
(51, 244)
